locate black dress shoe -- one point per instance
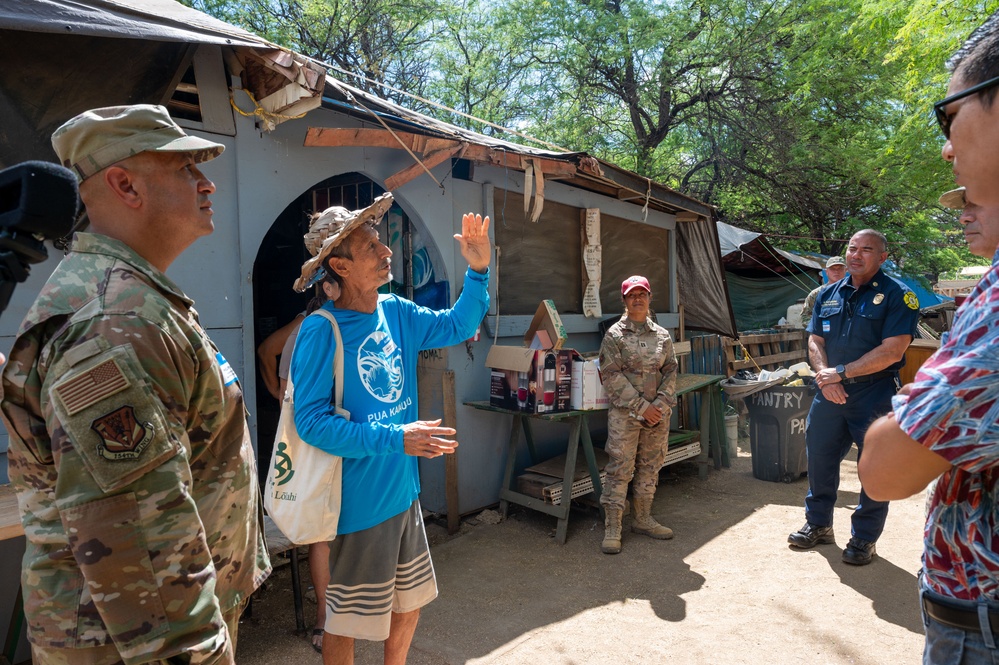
(859, 552)
(811, 535)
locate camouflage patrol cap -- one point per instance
(953, 199)
(330, 229)
(835, 261)
(98, 138)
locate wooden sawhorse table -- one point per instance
(579, 432)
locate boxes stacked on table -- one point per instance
(536, 377)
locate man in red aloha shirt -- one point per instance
(945, 425)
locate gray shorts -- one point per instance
(375, 572)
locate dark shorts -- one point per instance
(375, 572)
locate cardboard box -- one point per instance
(546, 319)
(533, 380)
(509, 379)
(538, 376)
(587, 392)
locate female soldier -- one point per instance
(638, 371)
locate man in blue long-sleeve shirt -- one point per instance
(381, 572)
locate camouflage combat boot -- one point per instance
(645, 524)
(612, 531)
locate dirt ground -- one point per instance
(726, 589)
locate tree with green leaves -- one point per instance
(804, 119)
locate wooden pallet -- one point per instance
(544, 480)
(766, 351)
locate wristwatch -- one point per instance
(841, 371)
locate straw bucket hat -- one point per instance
(953, 199)
(330, 229)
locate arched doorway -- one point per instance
(418, 273)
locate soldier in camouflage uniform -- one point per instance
(129, 449)
(835, 271)
(638, 371)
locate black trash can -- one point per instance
(777, 418)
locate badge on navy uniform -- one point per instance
(879, 298)
(911, 300)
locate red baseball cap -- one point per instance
(635, 282)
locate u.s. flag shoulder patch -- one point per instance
(89, 387)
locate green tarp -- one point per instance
(761, 302)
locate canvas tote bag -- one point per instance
(303, 482)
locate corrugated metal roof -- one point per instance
(163, 20)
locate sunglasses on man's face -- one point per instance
(940, 108)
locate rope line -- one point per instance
(377, 117)
(382, 84)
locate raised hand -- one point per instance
(474, 240)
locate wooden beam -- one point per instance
(451, 461)
(552, 168)
(628, 195)
(337, 137)
(413, 171)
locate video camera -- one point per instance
(39, 201)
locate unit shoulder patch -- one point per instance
(123, 437)
(113, 418)
(911, 300)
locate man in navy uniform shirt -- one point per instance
(860, 329)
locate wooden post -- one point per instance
(451, 461)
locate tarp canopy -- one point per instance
(158, 20)
(750, 254)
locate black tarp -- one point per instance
(702, 285)
(158, 20)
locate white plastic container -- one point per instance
(732, 435)
(793, 317)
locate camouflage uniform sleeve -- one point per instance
(620, 391)
(808, 306)
(115, 398)
(666, 391)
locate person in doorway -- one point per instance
(270, 354)
(945, 425)
(381, 544)
(121, 413)
(638, 370)
(859, 332)
(835, 271)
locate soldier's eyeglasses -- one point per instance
(940, 108)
